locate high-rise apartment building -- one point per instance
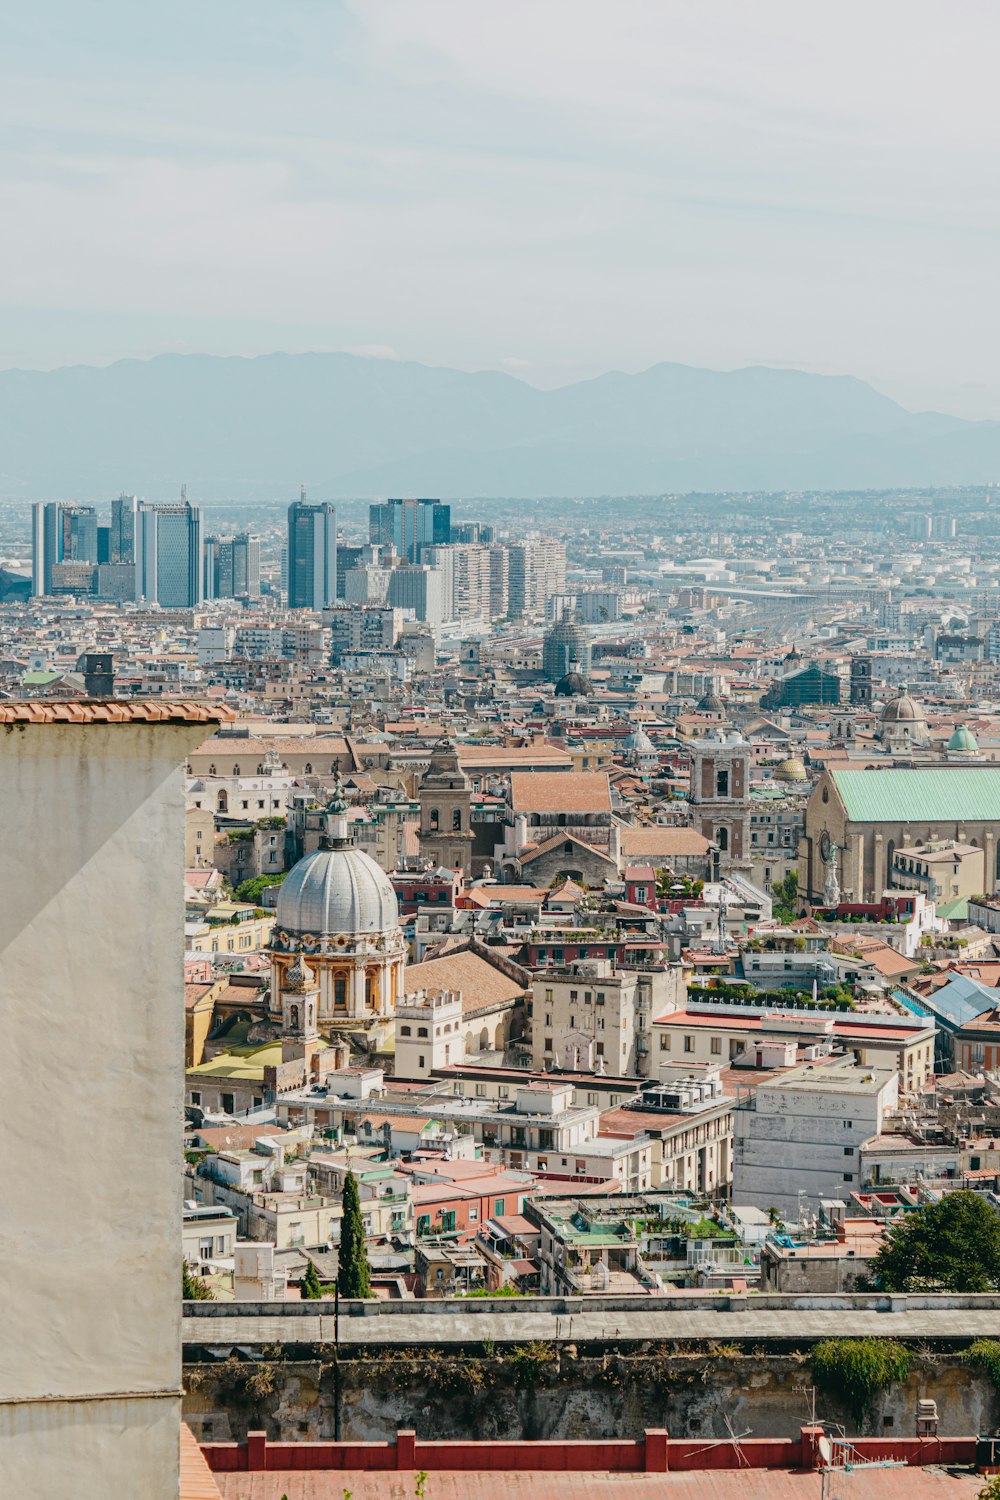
(416, 586)
(410, 525)
(537, 569)
(467, 579)
(168, 566)
(312, 555)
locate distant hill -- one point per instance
(347, 425)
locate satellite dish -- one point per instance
(825, 1451)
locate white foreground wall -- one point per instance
(91, 1015)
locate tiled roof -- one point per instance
(560, 791)
(111, 711)
(480, 983)
(663, 841)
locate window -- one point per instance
(227, 1104)
(435, 819)
(573, 994)
(689, 1044)
(420, 1061)
(722, 838)
(456, 820)
(480, 1091)
(424, 1224)
(195, 1097)
(848, 1176)
(848, 1150)
(665, 1041)
(548, 1018)
(421, 1031)
(405, 1031)
(205, 1249)
(503, 1091)
(548, 996)
(498, 1205)
(722, 783)
(716, 1046)
(548, 1044)
(473, 1215)
(600, 1049)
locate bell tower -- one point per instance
(720, 796)
(445, 800)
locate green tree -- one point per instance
(311, 1287)
(785, 897)
(990, 1489)
(194, 1289)
(253, 890)
(354, 1272)
(950, 1246)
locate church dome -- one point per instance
(573, 685)
(709, 704)
(639, 740)
(791, 769)
(963, 741)
(902, 710)
(338, 889)
(335, 891)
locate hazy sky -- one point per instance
(554, 187)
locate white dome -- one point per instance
(335, 891)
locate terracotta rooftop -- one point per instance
(111, 711)
(560, 791)
(480, 982)
(662, 841)
(905, 1483)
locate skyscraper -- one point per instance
(60, 533)
(410, 525)
(168, 566)
(123, 513)
(232, 566)
(312, 555)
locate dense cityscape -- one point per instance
(600, 910)
(500, 751)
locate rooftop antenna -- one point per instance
(302, 492)
(184, 493)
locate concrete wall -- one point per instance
(91, 937)
(540, 1393)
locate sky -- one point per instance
(551, 187)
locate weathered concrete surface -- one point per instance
(541, 1392)
(91, 926)
(765, 1325)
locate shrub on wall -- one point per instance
(854, 1371)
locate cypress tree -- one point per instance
(353, 1272)
(311, 1288)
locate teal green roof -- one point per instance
(963, 739)
(954, 911)
(953, 795)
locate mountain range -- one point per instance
(346, 425)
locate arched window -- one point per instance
(236, 770)
(260, 769)
(309, 769)
(561, 820)
(223, 802)
(456, 820)
(434, 819)
(722, 838)
(294, 1014)
(211, 770)
(340, 990)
